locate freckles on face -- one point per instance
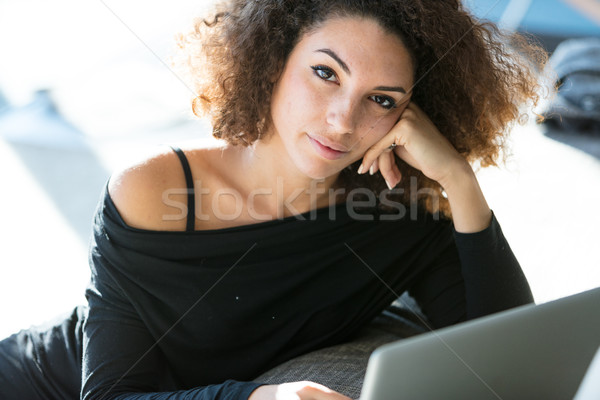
(350, 93)
(376, 128)
(292, 96)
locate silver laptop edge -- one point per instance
(534, 351)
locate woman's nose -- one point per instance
(341, 115)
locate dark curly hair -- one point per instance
(470, 78)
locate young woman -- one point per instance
(212, 265)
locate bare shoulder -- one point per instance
(137, 189)
(151, 193)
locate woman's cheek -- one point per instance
(377, 128)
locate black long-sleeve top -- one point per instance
(174, 315)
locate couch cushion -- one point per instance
(342, 367)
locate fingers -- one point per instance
(315, 391)
(374, 167)
(389, 169)
(303, 390)
(375, 151)
(380, 158)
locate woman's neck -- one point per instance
(270, 182)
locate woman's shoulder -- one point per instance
(151, 192)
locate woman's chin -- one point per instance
(315, 166)
(322, 172)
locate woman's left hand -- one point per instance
(420, 144)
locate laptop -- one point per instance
(530, 352)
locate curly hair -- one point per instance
(471, 79)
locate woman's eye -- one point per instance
(384, 101)
(324, 73)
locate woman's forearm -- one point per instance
(470, 211)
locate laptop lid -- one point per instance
(533, 351)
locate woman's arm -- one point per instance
(470, 211)
(477, 274)
(419, 143)
(121, 359)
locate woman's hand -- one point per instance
(418, 142)
(296, 391)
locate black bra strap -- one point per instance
(189, 181)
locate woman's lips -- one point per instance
(324, 151)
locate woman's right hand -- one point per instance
(304, 390)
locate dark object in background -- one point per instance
(576, 106)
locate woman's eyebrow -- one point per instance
(391, 89)
(344, 66)
(332, 54)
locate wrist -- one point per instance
(457, 177)
(470, 211)
(263, 392)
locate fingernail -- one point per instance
(388, 185)
(372, 169)
(360, 169)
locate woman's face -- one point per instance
(344, 86)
